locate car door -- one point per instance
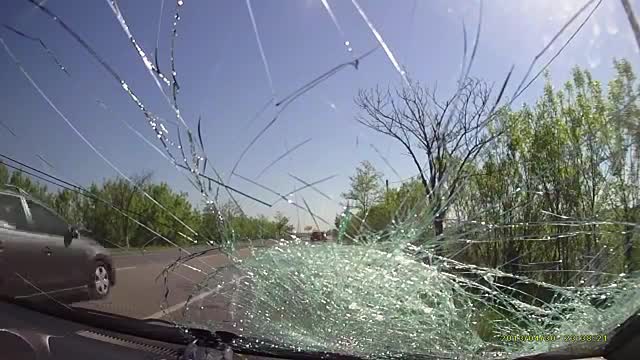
(64, 260)
(20, 256)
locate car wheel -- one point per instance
(101, 284)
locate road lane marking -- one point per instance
(179, 306)
(126, 268)
(198, 261)
(193, 268)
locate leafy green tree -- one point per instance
(216, 220)
(24, 182)
(179, 232)
(70, 205)
(366, 187)
(226, 223)
(115, 210)
(570, 155)
(282, 226)
(624, 114)
(125, 196)
(118, 213)
(397, 205)
(4, 174)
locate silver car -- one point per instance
(42, 256)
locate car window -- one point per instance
(11, 212)
(45, 221)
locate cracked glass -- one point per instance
(453, 179)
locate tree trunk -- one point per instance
(438, 227)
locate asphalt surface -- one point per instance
(143, 290)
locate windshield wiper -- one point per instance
(165, 331)
(225, 341)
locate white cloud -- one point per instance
(594, 61)
(596, 30)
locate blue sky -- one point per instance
(223, 79)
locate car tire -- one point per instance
(100, 284)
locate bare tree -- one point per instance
(442, 138)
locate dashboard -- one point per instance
(29, 334)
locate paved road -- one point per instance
(141, 288)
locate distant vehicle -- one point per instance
(318, 236)
(41, 255)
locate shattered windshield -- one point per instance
(456, 179)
